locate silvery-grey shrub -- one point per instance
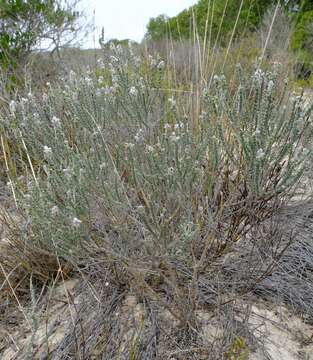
(116, 163)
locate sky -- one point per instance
(127, 19)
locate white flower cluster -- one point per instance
(270, 86)
(54, 210)
(67, 172)
(174, 137)
(179, 126)
(202, 116)
(100, 64)
(13, 106)
(161, 65)
(55, 121)
(133, 91)
(260, 154)
(149, 149)
(258, 76)
(219, 78)
(100, 79)
(172, 101)
(129, 145)
(139, 136)
(257, 132)
(113, 59)
(47, 151)
(76, 222)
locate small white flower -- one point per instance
(170, 171)
(100, 63)
(100, 79)
(162, 213)
(133, 91)
(180, 125)
(153, 61)
(200, 208)
(139, 136)
(129, 145)
(257, 131)
(103, 165)
(55, 121)
(88, 80)
(12, 106)
(24, 100)
(202, 115)
(161, 65)
(167, 126)
(259, 75)
(174, 137)
(142, 83)
(54, 210)
(260, 154)
(67, 172)
(108, 90)
(106, 284)
(114, 59)
(36, 117)
(270, 85)
(76, 222)
(27, 197)
(47, 150)
(172, 101)
(277, 64)
(149, 148)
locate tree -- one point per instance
(298, 12)
(156, 28)
(26, 24)
(302, 39)
(181, 26)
